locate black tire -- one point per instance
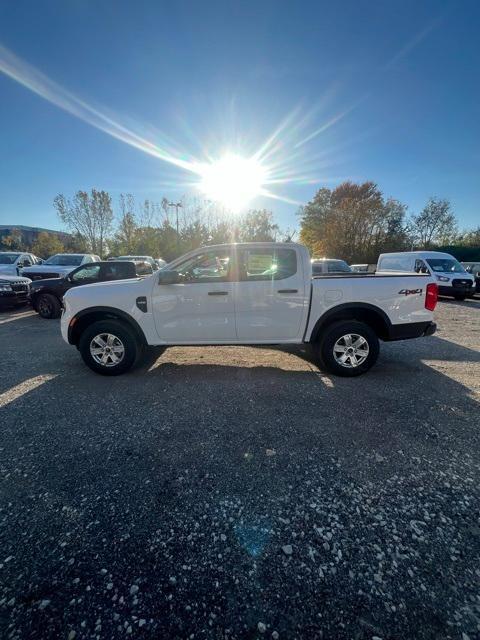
(48, 306)
(125, 339)
(332, 338)
(460, 296)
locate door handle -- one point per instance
(287, 291)
(218, 293)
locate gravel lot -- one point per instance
(239, 492)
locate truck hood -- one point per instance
(8, 270)
(49, 268)
(105, 289)
(45, 282)
(4, 279)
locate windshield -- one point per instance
(65, 260)
(445, 265)
(132, 258)
(8, 258)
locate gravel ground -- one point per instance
(239, 492)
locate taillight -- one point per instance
(431, 298)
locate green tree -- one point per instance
(47, 244)
(258, 226)
(435, 224)
(126, 237)
(90, 215)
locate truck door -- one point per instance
(201, 307)
(271, 298)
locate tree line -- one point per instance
(354, 222)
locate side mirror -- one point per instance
(168, 277)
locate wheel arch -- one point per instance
(371, 315)
(86, 317)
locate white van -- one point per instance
(452, 278)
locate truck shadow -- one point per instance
(125, 471)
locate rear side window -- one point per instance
(395, 263)
(117, 271)
(338, 266)
(267, 264)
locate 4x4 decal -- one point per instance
(410, 292)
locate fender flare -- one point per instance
(329, 316)
(106, 312)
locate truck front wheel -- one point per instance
(348, 348)
(108, 347)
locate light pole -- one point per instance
(176, 205)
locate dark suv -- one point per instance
(46, 295)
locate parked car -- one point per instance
(58, 265)
(11, 262)
(148, 259)
(474, 269)
(14, 291)
(452, 278)
(46, 295)
(363, 268)
(259, 293)
(328, 265)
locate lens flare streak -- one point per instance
(234, 179)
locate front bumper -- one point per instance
(411, 330)
(468, 290)
(13, 298)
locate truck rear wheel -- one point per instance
(348, 348)
(108, 347)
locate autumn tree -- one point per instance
(353, 222)
(88, 214)
(13, 241)
(47, 244)
(435, 224)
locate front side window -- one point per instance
(267, 264)
(209, 266)
(445, 265)
(90, 273)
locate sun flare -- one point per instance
(232, 180)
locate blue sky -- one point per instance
(382, 91)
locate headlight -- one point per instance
(443, 278)
(5, 287)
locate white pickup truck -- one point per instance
(256, 293)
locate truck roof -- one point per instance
(427, 254)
